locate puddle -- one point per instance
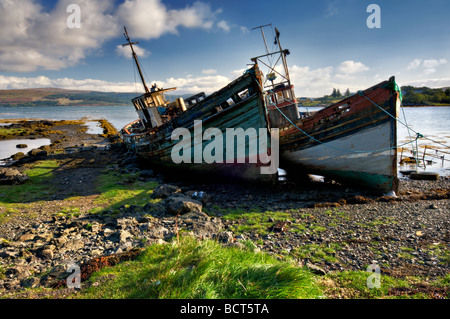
(9, 147)
(94, 127)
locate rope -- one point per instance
(418, 135)
(324, 143)
(410, 138)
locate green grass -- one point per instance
(36, 188)
(353, 285)
(8, 132)
(203, 269)
(122, 190)
(441, 251)
(318, 253)
(254, 220)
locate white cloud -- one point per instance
(187, 85)
(431, 63)
(414, 64)
(350, 67)
(244, 30)
(37, 39)
(209, 71)
(331, 9)
(192, 85)
(431, 83)
(318, 82)
(15, 82)
(224, 26)
(125, 51)
(149, 19)
(428, 66)
(33, 39)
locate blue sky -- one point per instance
(202, 45)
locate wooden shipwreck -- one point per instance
(240, 104)
(353, 141)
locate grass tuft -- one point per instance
(203, 269)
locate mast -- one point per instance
(135, 58)
(262, 33)
(282, 53)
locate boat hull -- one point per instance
(241, 160)
(353, 141)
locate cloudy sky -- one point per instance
(202, 45)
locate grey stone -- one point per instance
(224, 237)
(37, 152)
(178, 205)
(31, 282)
(165, 190)
(157, 232)
(11, 176)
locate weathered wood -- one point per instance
(353, 141)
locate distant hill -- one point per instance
(62, 97)
(420, 96)
(412, 96)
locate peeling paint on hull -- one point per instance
(353, 141)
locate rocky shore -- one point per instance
(324, 226)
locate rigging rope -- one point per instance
(330, 146)
(418, 135)
(396, 88)
(310, 136)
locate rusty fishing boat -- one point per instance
(239, 105)
(353, 141)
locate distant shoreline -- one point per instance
(425, 105)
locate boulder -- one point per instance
(11, 176)
(35, 152)
(429, 176)
(165, 190)
(18, 156)
(179, 204)
(31, 282)
(224, 237)
(199, 196)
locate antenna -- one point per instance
(127, 37)
(262, 32)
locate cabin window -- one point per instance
(243, 94)
(287, 94)
(236, 98)
(149, 102)
(280, 97)
(227, 103)
(141, 104)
